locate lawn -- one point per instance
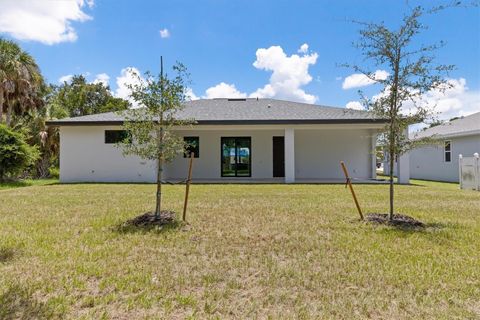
(250, 251)
(27, 183)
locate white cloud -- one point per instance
(452, 100)
(65, 78)
(164, 33)
(455, 101)
(128, 76)
(223, 90)
(355, 105)
(102, 78)
(358, 80)
(303, 48)
(190, 94)
(48, 22)
(289, 74)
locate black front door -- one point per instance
(278, 157)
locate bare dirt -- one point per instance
(149, 219)
(399, 220)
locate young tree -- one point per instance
(411, 74)
(150, 126)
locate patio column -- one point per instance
(403, 166)
(289, 155)
(373, 156)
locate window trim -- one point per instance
(445, 151)
(197, 154)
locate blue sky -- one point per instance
(221, 42)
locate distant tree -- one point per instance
(437, 122)
(74, 98)
(20, 81)
(150, 126)
(79, 98)
(412, 73)
(454, 118)
(15, 153)
(434, 123)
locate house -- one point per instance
(440, 161)
(236, 140)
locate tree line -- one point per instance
(28, 148)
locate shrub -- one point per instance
(15, 153)
(54, 172)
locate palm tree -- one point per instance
(45, 137)
(20, 81)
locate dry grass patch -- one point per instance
(250, 251)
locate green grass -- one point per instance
(250, 251)
(426, 183)
(27, 183)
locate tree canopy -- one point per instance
(21, 82)
(412, 72)
(78, 97)
(150, 127)
(26, 103)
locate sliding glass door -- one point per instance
(236, 156)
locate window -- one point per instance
(116, 136)
(448, 151)
(192, 144)
(236, 156)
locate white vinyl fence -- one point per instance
(469, 172)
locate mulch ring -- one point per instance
(149, 219)
(399, 220)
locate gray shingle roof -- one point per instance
(463, 126)
(244, 111)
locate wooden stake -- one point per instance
(349, 182)
(192, 155)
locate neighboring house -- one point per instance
(440, 161)
(237, 140)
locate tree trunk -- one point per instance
(158, 205)
(159, 137)
(1, 105)
(393, 123)
(391, 160)
(9, 114)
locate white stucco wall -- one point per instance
(84, 156)
(318, 153)
(208, 165)
(429, 163)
